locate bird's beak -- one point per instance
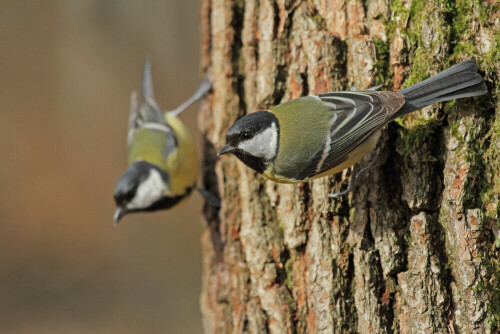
(226, 149)
(119, 213)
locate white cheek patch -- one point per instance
(148, 192)
(263, 144)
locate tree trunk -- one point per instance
(414, 248)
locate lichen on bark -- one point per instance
(415, 247)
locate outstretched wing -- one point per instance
(356, 116)
(133, 118)
(147, 114)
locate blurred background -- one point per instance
(67, 69)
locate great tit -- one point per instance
(163, 163)
(320, 135)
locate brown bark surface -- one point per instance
(414, 248)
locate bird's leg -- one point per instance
(354, 89)
(204, 88)
(210, 198)
(352, 181)
(375, 87)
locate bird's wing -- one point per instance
(147, 114)
(356, 116)
(133, 118)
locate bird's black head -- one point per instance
(254, 139)
(141, 188)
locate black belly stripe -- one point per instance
(255, 163)
(169, 202)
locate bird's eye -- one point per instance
(246, 135)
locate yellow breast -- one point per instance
(183, 163)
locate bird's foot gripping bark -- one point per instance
(354, 89)
(352, 181)
(210, 198)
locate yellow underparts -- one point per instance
(354, 156)
(183, 163)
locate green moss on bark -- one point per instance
(381, 68)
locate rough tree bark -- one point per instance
(415, 247)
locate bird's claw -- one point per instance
(210, 198)
(352, 181)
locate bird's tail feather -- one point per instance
(461, 80)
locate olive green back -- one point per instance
(304, 126)
(148, 145)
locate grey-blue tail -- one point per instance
(461, 80)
